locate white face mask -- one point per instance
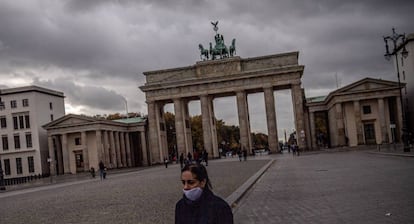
(193, 194)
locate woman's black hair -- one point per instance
(200, 173)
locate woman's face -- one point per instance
(190, 181)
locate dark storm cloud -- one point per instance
(89, 48)
(90, 96)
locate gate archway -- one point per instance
(233, 76)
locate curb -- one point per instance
(235, 197)
(392, 154)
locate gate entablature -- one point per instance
(226, 75)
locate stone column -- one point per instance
(206, 118)
(381, 118)
(213, 129)
(153, 132)
(180, 127)
(52, 157)
(358, 123)
(271, 119)
(297, 101)
(187, 127)
(144, 149)
(107, 151)
(85, 151)
(99, 148)
(128, 150)
(65, 154)
(244, 121)
(59, 159)
(113, 162)
(123, 152)
(340, 124)
(117, 149)
(314, 143)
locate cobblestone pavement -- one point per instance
(144, 196)
(342, 187)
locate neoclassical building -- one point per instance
(23, 141)
(365, 112)
(77, 143)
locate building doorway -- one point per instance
(369, 133)
(79, 161)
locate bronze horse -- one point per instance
(232, 47)
(203, 52)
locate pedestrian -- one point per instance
(245, 154)
(205, 157)
(199, 204)
(182, 160)
(166, 162)
(102, 170)
(189, 157)
(92, 171)
(239, 153)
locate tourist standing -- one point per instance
(199, 204)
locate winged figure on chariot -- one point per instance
(220, 50)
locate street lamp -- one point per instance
(396, 47)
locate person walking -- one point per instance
(199, 204)
(166, 162)
(102, 170)
(182, 160)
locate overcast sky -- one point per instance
(95, 51)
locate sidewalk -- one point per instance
(344, 185)
(67, 178)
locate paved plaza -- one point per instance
(341, 187)
(143, 196)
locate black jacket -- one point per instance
(208, 209)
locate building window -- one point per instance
(2, 105)
(30, 163)
(13, 104)
(366, 109)
(7, 167)
(19, 166)
(15, 123)
(77, 141)
(3, 122)
(25, 102)
(17, 142)
(50, 105)
(51, 117)
(5, 142)
(21, 121)
(27, 120)
(29, 142)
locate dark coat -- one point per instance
(209, 209)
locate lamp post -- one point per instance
(395, 40)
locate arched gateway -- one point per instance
(206, 80)
(228, 76)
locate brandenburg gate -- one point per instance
(227, 75)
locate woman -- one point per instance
(199, 204)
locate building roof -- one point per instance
(130, 120)
(31, 89)
(316, 99)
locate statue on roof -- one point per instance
(220, 49)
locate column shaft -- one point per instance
(271, 119)
(52, 157)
